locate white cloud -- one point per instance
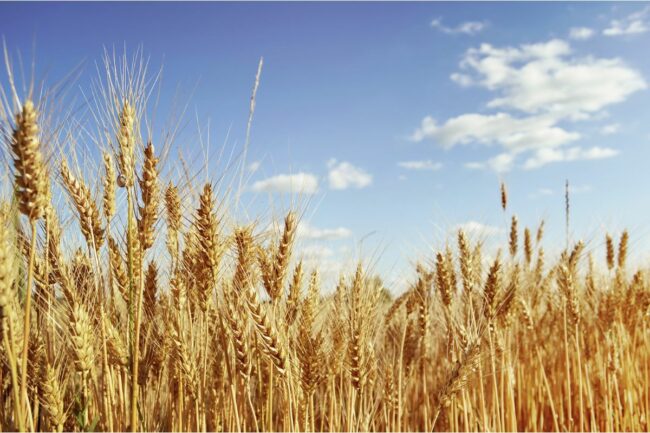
(467, 27)
(420, 165)
(501, 163)
(462, 80)
(621, 28)
(540, 90)
(299, 183)
(306, 231)
(635, 23)
(548, 155)
(510, 132)
(477, 230)
(544, 78)
(254, 166)
(343, 175)
(581, 33)
(316, 252)
(610, 129)
(329, 262)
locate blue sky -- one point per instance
(394, 120)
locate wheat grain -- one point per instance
(149, 191)
(30, 176)
(89, 220)
(126, 144)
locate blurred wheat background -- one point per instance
(136, 301)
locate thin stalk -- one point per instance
(495, 386)
(27, 318)
(579, 369)
(556, 426)
(568, 370)
(133, 318)
(6, 338)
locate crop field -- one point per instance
(132, 299)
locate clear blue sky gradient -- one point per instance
(353, 81)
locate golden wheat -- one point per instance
(218, 331)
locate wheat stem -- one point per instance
(27, 316)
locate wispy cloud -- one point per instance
(501, 163)
(610, 129)
(254, 166)
(536, 88)
(548, 155)
(306, 231)
(467, 27)
(476, 229)
(299, 183)
(581, 33)
(633, 24)
(343, 175)
(420, 165)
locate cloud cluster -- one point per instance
(537, 90)
(544, 78)
(635, 23)
(299, 183)
(581, 33)
(343, 175)
(511, 133)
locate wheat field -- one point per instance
(132, 301)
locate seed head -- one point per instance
(31, 175)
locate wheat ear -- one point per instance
(149, 191)
(89, 220)
(267, 332)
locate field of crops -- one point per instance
(148, 307)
